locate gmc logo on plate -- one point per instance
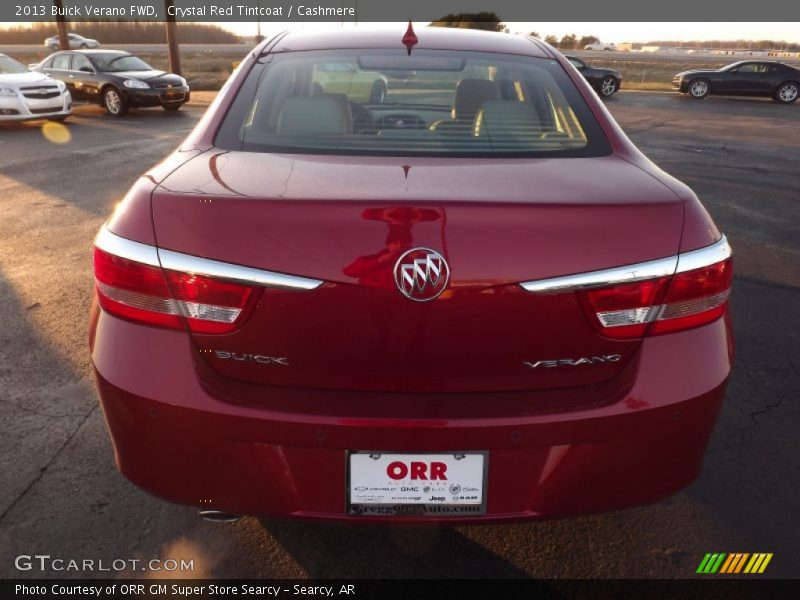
(418, 470)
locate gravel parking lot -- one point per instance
(61, 494)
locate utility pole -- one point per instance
(172, 38)
(61, 23)
(258, 33)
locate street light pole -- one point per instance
(258, 17)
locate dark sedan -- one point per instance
(605, 81)
(747, 78)
(116, 80)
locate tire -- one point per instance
(172, 106)
(787, 92)
(698, 88)
(55, 47)
(378, 93)
(114, 102)
(84, 46)
(609, 86)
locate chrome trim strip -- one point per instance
(703, 257)
(626, 274)
(177, 261)
(125, 248)
(187, 263)
(661, 267)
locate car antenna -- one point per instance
(410, 38)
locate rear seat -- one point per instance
(508, 121)
(327, 114)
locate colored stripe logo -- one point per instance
(734, 563)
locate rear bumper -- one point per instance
(176, 439)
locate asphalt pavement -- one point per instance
(60, 493)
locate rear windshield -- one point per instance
(385, 102)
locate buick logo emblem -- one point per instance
(421, 274)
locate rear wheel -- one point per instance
(698, 88)
(114, 102)
(609, 86)
(378, 93)
(55, 47)
(787, 92)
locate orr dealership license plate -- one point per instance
(417, 484)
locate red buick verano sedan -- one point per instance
(469, 298)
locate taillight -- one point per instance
(688, 299)
(134, 290)
(145, 293)
(695, 298)
(625, 310)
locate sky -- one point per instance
(607, 32)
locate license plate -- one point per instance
(417, 484)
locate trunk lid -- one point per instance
(346, 221)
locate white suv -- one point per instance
(25, 95)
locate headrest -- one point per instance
(470, 94)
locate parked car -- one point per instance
(25, 95)
(605, 81)
(479, 302)
(744, 78)
(356, 84)
(75, 41)
(116, 80)
(600, 46)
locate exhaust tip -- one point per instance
(216, 516)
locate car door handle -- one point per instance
(72, 76)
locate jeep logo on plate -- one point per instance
(421, 274)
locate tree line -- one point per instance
(490, 21)
(120, 33)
